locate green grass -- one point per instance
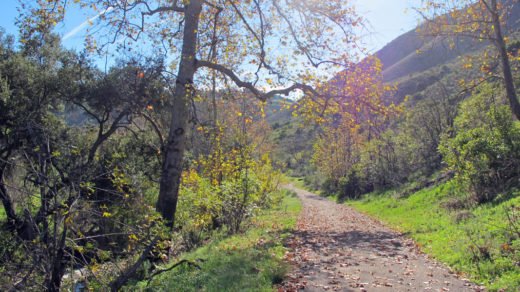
(252, 261)
(435, 229)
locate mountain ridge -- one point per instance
(412, 52)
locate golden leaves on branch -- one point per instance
(354, 95)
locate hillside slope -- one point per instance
(420, 67)
(412, 53)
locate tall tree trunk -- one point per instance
(175, 145)
(57, 264)
(504, 58)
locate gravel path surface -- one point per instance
(336, 248)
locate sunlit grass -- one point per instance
(251, 261)
(435, 229)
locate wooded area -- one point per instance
(114, 170)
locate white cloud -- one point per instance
(82, 26)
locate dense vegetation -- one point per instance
(80, 157)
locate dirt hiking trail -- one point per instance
(336, 248)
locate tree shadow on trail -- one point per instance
(378, 241)
(311, 196)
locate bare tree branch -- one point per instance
(263, 96)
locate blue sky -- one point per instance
(388, 19)
(9, 13)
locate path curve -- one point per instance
(336, 248)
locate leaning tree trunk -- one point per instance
(7, 202)
(175, 145)
(504, 58)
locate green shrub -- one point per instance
(352, 186)
(484, 150)
(330, 186)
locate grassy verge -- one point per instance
(251, 261)
(476, 242)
